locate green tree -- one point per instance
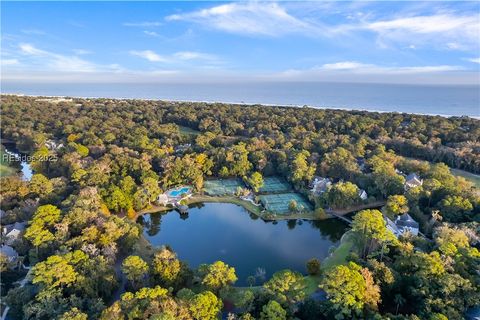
(205, 306)
(342, 195)
(455, 208)
(40, 185)
(273, 311)
(450, 240)
(396, 205)
(292, 205)
(56, 271)
(313, 266)
(166, 266)
(40, 231)
(255, 181)
(347, 291)
(286, 286)
(340, 163)
(74, 314)
(134, 268)
(371, 228)
(301, 170)
(218, 275)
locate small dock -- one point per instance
(347, 220)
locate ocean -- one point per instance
(442, 100)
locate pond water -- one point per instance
(227, 232)
(26, 170)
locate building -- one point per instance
(362, 194)
(320, 185)
(162, 199)
(12, 232)
(182, 148)
(52, 145)
(403, 223)
(412, 181)
(10, 253)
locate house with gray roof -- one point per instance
(412, 181)
(320, 185)
(403, 223)
(11, 232)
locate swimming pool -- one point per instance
(178, 192)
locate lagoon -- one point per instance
(227, 232)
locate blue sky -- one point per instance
(397, 42)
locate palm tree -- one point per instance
(399, 301)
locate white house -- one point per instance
(162, 199)
(403, 223)
(362, 194)
(412, 181)
(320, 185)
(12, 232)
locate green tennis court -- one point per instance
(279, 203)
(275, 185)
(220, 187)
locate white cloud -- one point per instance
(251, 18)
(151, 33)
(345, 65)
(60, 62)
(474, 60)
(444, 29)
(143, 24)
(149, 55)
(192, 55)
(455, 32)
(353, 66)
(175, 57)
(9, 62)
(353, 71)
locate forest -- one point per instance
(100, 163)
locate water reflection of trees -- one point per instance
(154, 224)
(291, 224)
(333, 229)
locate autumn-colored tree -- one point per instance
(218, 275)
(135, 269)
(286, 286)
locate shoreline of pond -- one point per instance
(251, 208)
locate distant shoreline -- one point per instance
(241, 103)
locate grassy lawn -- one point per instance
(474, 178)
(339, 256)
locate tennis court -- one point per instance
(274, 185)
(222, 187)
(279, 203)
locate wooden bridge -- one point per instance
(340, 213)
(347, 220)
